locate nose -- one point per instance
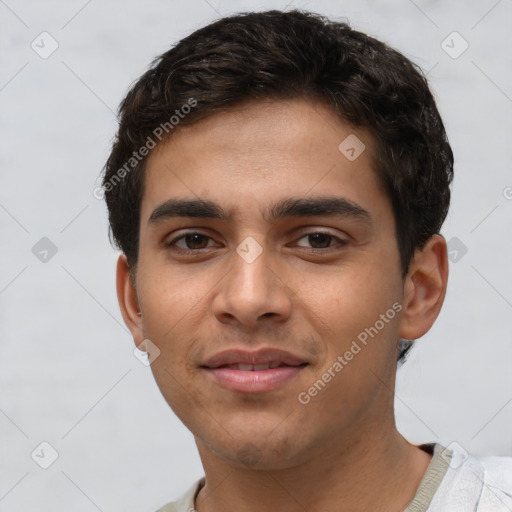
(252, 293)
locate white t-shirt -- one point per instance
(454, 482)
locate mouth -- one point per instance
(257, 367)
(253, 372)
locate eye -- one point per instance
(321, 239)
(193, 241)
(190, 242)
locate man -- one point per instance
(277, 187)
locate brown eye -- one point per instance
(195, 241)
(321, 240)
(189, 242)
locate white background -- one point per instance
(68, 375)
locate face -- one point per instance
(269, 279)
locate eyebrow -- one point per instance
(290, 207)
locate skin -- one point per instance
(309, 296)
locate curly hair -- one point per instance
(284, 55)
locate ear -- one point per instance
(128, 302)
(424, 288)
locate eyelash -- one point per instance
(172, 244)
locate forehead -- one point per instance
(262, 152)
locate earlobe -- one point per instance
(127, 298)
(424, 288)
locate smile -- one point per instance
(258, 378)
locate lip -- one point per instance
(220, 368)
(261, 356)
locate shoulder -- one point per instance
(475, 484)
(186, 502)
(170, 507)
(497, 479)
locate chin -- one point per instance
(256, 450)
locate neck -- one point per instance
(380, 472)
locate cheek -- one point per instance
(170, 301)
(170, 307)
(362, 311)
(360, 358)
